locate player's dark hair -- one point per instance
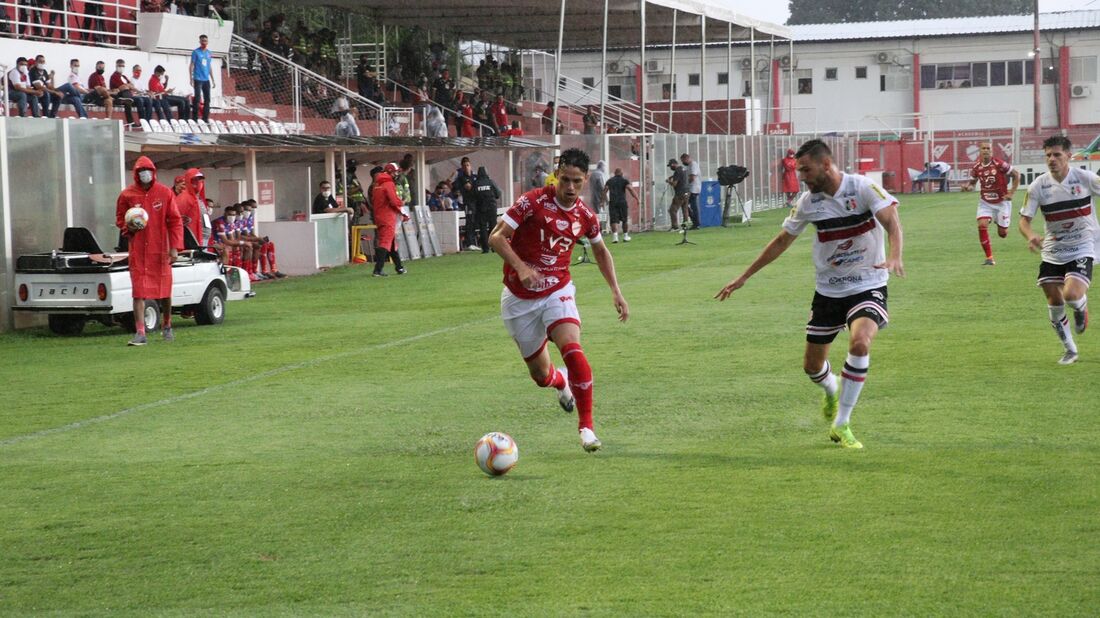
(1057, 140)
(815, 148)
(574, 157)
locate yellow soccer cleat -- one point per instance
(843, 436)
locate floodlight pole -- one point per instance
(790, 85)
(672, 70)
(1038, 70)
(557, 72)
(703, 74)
(642, 81)
(750, 118)
(603, 73)
(729, 77)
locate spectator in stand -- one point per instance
(366, 80)
(436, 125)
(94, 28)
(56, 16)
(591, 120)
(482, 115)
(443, 93)
(325, 203)
(73, 93)
(548, 120)
(251, 33)
(272, 72)
(515, 131)
(500, 114)
(346, 126)
(42, 79)
(98, 94)
(469, 128)
(121, 85)
(201, 71)
(156, 103)
(158, 87)
(20, 90)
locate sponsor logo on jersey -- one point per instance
(876, 294)
(851, 204)
(157, 205)
(548, 219)
(548, 259)
(576, 227)
(844, 246)
(565, 298)
(562, 224)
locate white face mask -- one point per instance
(41, 66)
(145, 176)
(231, 218)
(74, 69)
(23, 69)
(326, 193)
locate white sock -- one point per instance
(855, 371)
(825, 378)
(1061, 326)
(1079, 304)
(615, 236)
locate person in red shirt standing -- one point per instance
(152, 248)
(187, 202)
(995, 201)
(387, 209)
(790, 176)
(500, 114)
(535, 239)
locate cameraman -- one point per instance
(681, 194)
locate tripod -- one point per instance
(684, 232)
(583, 259)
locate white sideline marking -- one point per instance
(212, 389)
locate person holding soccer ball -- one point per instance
(535, 238)
(153, 247)
(850, 214)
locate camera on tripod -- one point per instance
(729, 176)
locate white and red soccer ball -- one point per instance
(496, 453)
(136, 218)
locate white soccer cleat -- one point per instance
(565, 395)
(1068, 358)
(589, 441)
(626, 237)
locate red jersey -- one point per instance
(993, 177)
(545, 233)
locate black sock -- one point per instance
(396, 257)
(379, 259)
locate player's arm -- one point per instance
(630, 189)
(500, 240)
(775, 248)
(890, 221)
(1015, 175)
(1034, 241)
(607, 269)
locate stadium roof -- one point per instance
(533, 24)
(914, 28)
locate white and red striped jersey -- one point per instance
(993, 179)
(545, 233)
(1067, 207)
(849, 240)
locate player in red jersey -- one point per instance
(995, 203)
(535, 238)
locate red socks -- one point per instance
(580, 381)
(554, 380)
(983, 236)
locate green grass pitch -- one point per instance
(314, 454)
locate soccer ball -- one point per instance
(136, 218)
(496, 453)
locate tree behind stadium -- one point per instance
(841, 11)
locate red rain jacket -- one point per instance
(387, 209)
(187, 203)
(150, 270)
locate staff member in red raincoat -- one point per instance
(790, 176)
(387, 208)
(152, 248)
(187, 202)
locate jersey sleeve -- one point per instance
(797, 221)
(875, 197)
(519, 212)
(592, 228)
(1031, 206)
(1005, 167)
(974, 172)
(1094, 182)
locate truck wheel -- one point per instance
(152, 318)
(67, 325)
(212, 308)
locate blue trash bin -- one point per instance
(710, 204)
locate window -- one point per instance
(1050, 72)
(861, 72)
(588, 82)
(896, 77)
(805, 80)
(693, 79)
(980, 73)
(615, 91)
(1082, 70)
(997, 75)
(1015, 72)
(668, 91)
(928, 76)
(830, 74)
(723, 79)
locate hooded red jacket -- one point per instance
(387, 208)
(150, 269)
(187, 203)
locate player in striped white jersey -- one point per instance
(1064, 196)
(850, 214)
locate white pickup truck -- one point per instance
(79, 282)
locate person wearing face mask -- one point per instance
(202, 77)
(187, 202)
(225, 239)
(125, 89)
(153, 248)
(325, 203)
(97, 93)
(157, 103)
(79, 92)
(387, 209)
(158, 86)
(20, 90)
(263, 250)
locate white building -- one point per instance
(944, 74)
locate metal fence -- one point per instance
(107, 23)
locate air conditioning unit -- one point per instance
(884, 57)
(788, 62)
(613, 67)
(653, 66)
(1078, 91)
(746, 63)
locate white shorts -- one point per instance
(1001, 214)
(530, 320)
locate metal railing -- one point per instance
(282, 77)
(348, 54)
(27, 20)
(395, 87)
